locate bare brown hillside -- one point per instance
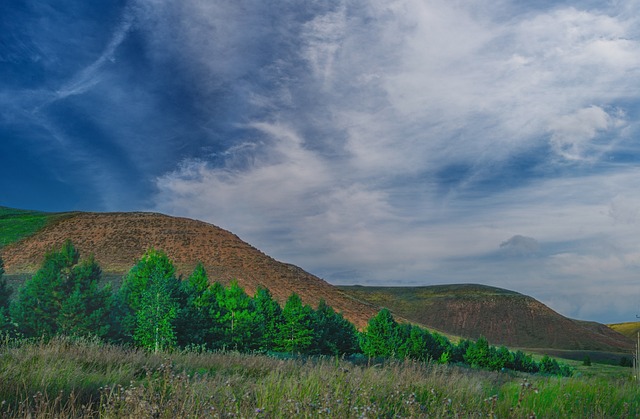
(119, 239)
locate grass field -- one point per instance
(17, 224)
(65, 378)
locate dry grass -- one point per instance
(629, 329)
(65, 378)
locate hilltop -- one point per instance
(118, 240)
(502, 316)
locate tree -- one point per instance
(296, 332)
(155, 318)
(149, 299)
(85, 311)
(524, 362)
(63, 297)
(215, 327)
(191, 325)
(334, 335)
(478, 354)
(415, 341)
(39, 300)
(238, 317)
(268, 319)
(380, 338)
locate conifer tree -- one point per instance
(268, 319)
(415, 342)
(63, 297)
(334, 335)
(85, 311)
(192, 325)
(380, 338)
(297, 332)
(212, 303)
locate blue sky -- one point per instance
(374, 142)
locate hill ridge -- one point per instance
(119, 239)
(502, 316)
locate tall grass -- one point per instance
(72, 378)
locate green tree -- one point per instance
(380, 337)
(63, 297)
(268, 319)
(85, 311)
(156, 316)
(238, 318)
(39, 301)
(191, 325)
(296, 332)
(216, 316)
(524, 362)
(503, 358)
(149, 301)
(415, 342)
(334, 335)
(478, 354)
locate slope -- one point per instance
(502, 316)
(119, 239)
(629, 329)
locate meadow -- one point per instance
(17, 224)
(66, 377)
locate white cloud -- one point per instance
(396, 92)
(572, 134)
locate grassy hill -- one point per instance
(630, 329)
(502, 316)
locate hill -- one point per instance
(119, 239)
(502, 316)
(630, 329)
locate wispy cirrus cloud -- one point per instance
(427, 134)
(367, 141)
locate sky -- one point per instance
(377, 142)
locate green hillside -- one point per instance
(630, 329)
(17, 224)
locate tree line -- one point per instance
(157, 310)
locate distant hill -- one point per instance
(119, 239)
(630, 329)
(502, 316)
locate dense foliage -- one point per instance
(156, 310)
